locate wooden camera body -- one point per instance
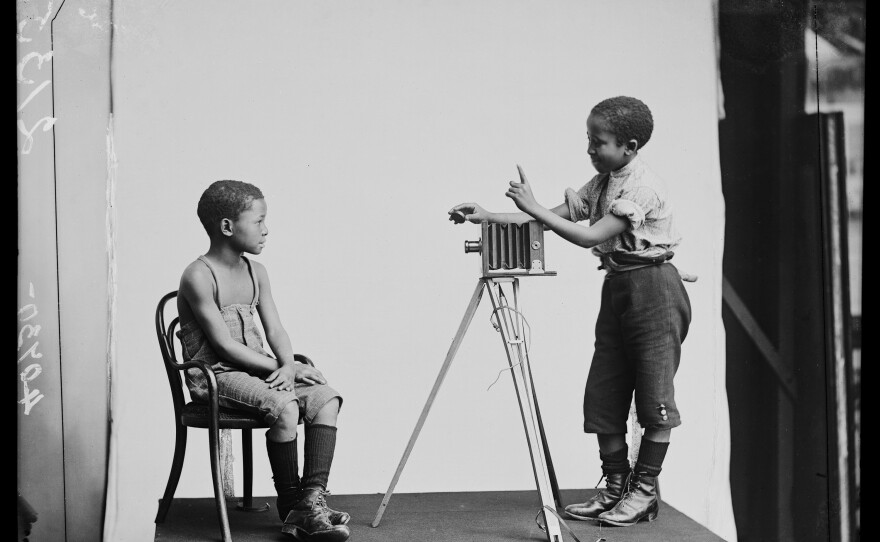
(509, 249)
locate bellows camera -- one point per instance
(510, 249)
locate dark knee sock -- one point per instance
(616, 462)
(651, 455)
(285, 473)
(319, 448)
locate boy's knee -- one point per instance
(290, 414)
(330, 409)
(327, 413)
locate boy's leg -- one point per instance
(641, 501)
(309, 516)
(320, 446)
(654, 333)
(614, 454)
(318, 454)
(282, 452)
(607, 399)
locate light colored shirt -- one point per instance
(633, 192)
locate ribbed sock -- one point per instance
(616, 462)
(318, 453)
(651, 455)
(285, 473)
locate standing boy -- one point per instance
(645, 311)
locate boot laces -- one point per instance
(631, 485)
(322, 499)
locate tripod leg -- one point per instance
(453, 348)
(554, 485)
(514, 348)
(550, 470)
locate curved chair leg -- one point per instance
(174, 477)
(247, 452)
(217, 475)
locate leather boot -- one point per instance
(308, 520)
(336, 517)
(602, 501)
(639, 502)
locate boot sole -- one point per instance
(580, 518)
(649, 518)
(321, 536)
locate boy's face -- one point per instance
(249, 230)
(605, 153)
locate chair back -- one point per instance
(165, 334)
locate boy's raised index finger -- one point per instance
(522, 175)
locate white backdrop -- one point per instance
(363, 123)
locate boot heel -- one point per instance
(652, 515)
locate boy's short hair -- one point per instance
(225, 199)
(627, 118)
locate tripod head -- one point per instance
(509, 249)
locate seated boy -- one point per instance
(219, 294)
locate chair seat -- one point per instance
(196, 414)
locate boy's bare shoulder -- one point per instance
(259, 269)
(195, 273)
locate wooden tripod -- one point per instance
(509, 322)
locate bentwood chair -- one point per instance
(210, 416)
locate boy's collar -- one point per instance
(627, 169)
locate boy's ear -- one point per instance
(631, 146)
(226, 227)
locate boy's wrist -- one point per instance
(287, 361)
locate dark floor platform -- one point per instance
(488, 516)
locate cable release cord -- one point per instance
(562, 522)
(497, 325)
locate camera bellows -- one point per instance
(511, 249)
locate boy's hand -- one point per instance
(309, 375)
(284, 377)
(471, 211)
(521, 193)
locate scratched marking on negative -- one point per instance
(27, 337)
(48, 121)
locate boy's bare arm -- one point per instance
(277, 336)
(607, 227)
(474, 213)
(196, 290)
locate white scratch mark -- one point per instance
(30, 398)
(21, 37)
(32, 351)
(33, 331)
(33, 94)
(27, 58)
(91, 17)
(110, 218)
(46, 18)
(29, 306)
(94, 14)
(29, 141)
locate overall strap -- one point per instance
(216, 282)
(254, 280)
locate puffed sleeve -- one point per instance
(635, 204)
(578, 204)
